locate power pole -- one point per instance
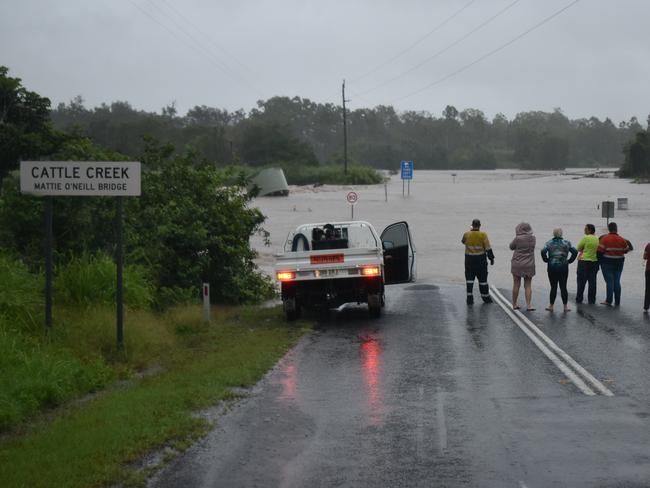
(345, 132)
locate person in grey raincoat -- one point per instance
(523, 263)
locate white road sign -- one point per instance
(81, 178)
(352, 198)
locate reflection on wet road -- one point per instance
(438, 394)
(370, 354)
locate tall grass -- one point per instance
(90, 280)
(41, 369)
(36, 375)
(21, 294)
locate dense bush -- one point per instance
(186, 228)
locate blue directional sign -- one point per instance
(407, 170)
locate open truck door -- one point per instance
(399, 254)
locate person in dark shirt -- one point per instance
(558, 253)
(646, 256)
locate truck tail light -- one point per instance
(286, 275)
(370, 271)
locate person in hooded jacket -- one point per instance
(558, 253)
(523, 263)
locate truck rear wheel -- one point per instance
(374, 305)
(291, 309)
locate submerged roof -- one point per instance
(271, 181)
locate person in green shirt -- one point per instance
(587, 264)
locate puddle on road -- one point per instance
(422, 287)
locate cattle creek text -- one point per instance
(75, 172)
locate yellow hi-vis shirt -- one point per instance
(476, 243)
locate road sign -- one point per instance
(407, 170)
(83, 178)
(80, 178)
(352, 197)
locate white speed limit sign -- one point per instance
(352, 198)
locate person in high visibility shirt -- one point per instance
(587, 264)
(612, 249)
(477, 253)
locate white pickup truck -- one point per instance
(325, 265)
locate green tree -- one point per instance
(25, 128)
(264, 144)
(637, 157)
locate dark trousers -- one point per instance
(587, 271)
(558, 277)
(612, 271)
(646, 302)
(476, 268)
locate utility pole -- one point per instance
(345, 132)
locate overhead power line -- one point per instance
(488, 54)
(418, 41)
(444, 49)
(205, 35)
(195, 46)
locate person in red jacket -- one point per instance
(612, 249)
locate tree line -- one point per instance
(298, 130)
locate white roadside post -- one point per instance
(206, 302)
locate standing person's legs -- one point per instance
(609, 283)
(563, 276)
(618, 270)
(469, 281)
(581, 280)
(591, 279)
(528, 290)
(484, 288)
(646, 302)
(516, 285)
(553, 280)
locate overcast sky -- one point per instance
(591, 59)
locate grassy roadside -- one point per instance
(91, 443)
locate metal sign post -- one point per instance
(83, 178)
(407, 175)
(49, 238)
(607, 210)
(352, 198)
(119, 262)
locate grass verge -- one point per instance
(91, 443)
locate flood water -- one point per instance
(439, 210)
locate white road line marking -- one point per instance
(419, 435)
(572, 362)
(442, 423)
(522, 485)
(573, 377)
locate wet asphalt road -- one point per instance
(436, 393)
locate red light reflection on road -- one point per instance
(288, 381)
(371, 357)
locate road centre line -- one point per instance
(594, 383)
(572, 376)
